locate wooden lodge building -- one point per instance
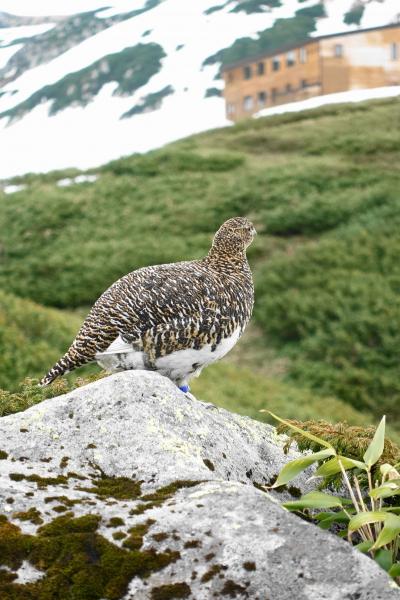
(358, 59)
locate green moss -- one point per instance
(16, 476)
(60, 508)
(160, 537)
(3, 455)
(32, 515)
(209, 464)
(161, 495)
(119, 535)
(232, 589)
(64, 462)
(169, 591)
(75, 560)
(64, 499)
(41, 482)
(215, 569)
(192, 544)
(121, 488)
(211, 555)
(115, 522)
(135, 539)
(73, 475)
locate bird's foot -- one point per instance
(184, 388)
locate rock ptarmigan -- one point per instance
(175, 318)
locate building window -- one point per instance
(276, 63)
(260, 68)
(248, 103)
(247, 72)
(289, 88)
(303, 55)
(274, 94)
(230, 108)
(338, 50)
(290, 58)
(394, 51)
(230, 77)
(262, 98)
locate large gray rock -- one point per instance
(170, 480)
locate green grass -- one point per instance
(321, 186)
(32, 338)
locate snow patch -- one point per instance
(67, 181)
(27, 573)
(7, 53)
(12, 189)
(340, 98)
(9, 34)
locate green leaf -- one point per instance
(306, 434)
(364, 547)
(385, 491)
(364, 518)
(375, 449)
(314, 500)
(390, 531)
(294, 467)
(334, 517)
(394, 570)
(386, 468)
(384, 559)
(331, 467)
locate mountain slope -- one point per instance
(325, 261)
(62, 79)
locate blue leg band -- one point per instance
(184, 388)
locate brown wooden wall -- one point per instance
(304, 80)
(366, 61)
(338, 63)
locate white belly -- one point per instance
(120, 356)
(180, 366)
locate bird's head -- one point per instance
(234, 236)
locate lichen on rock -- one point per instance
(161, 497)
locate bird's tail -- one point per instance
(70, 361)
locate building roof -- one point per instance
(306, 41)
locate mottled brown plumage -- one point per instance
(153, 314)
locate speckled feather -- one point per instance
(164, 309)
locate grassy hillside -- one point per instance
(323, 190)
(32, 338)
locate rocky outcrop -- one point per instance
(128, 488)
